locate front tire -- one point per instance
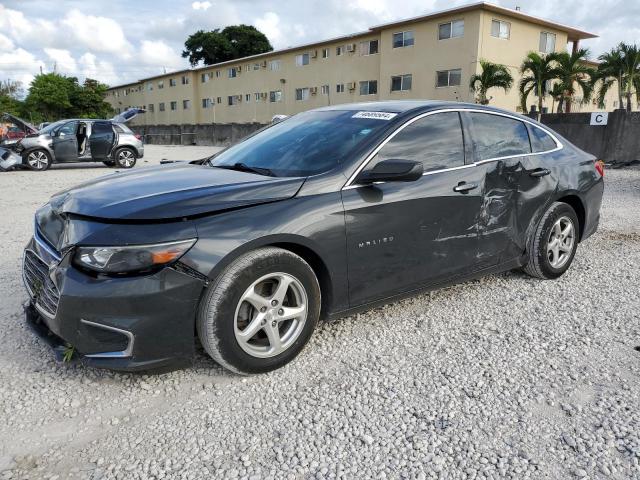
(125, 157)
(38, 160)
(554, 242)
(260, 312)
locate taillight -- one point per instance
(600, 167)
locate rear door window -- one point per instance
(495, 136)
(101, 127)
(435, 140)
(541, 141)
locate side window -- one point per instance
(495, 136)
(68, 128)
(435, 140)
(541, 141)
(101, 127)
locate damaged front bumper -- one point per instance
(9, 160)
(130, 323)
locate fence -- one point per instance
(213, 134)
(617, 142)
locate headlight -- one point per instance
(133, 258)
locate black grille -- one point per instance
(41, 289)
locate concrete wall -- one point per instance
(616, 142)
(216, 135)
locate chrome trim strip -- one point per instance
(127, 352)
(41, 242)
(349, 184)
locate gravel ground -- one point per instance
(504, 377)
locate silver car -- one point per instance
(81, 140)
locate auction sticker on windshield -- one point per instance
(375, 115)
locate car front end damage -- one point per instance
(128, 322)
(9, 160)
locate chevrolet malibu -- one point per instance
(321, 215)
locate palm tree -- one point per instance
(630, 71)
(610, 71)
(493, 75)
(536, 70)
(557, 94)
(572, 71)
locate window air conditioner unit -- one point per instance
(239, 68)
(263, 95)
(313, 90)
(264, 64)
(239, 98)
(352, 85)
(351, 47)
(314, 54)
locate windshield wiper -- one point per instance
(243, 167)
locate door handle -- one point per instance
(539, 172)
(464, 187)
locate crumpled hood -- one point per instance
(171, 192)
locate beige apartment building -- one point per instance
(428, 57)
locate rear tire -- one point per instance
(37, 160)
(125, 157)
(260, 312)
(554, 242)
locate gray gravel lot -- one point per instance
(504, 377)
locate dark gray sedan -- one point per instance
(321, 215)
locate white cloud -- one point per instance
(280, 34)
(5, 43)
(159, 54)
(101, 70)
(20, 65)
(63, 60)
(100, 34)
(201, 5)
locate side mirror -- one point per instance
(392, 171)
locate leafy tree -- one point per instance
(493, 75)
(88, 100)
(234, 41)
(10, 93)
(573, 73)
(537, 70)
(610, 71)
(630, 71)
(557, 95)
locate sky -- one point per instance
(120, 41)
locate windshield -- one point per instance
(52, 126)
(306, 144)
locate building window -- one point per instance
(403, 39)
(370, 47)
(150, 108)
(547, 42)
(451, 30)
(302, 59)
(325, 53)
(217, 73)
(160, 85)
(274, 65)
(339, 50)
(401, 83)
(256, 66)
(150, 86)
(204, 77)
(257, 96)
(369, 87)
(161, 107)
(174, 106)
(219, 100)
(172, 82)
(500, 29)
(207, 103)
(247, 97)
(275, 96)
(186, 104)
(448, 78)
(185, 80)
(340, 88)
(302, 94)
(232, 72)
(324, 89)
(233, 99)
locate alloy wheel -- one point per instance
(560, 242)
(271, 315)
(38, 160)
(126, 158)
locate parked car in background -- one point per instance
(13, 129)
(82, 140)
(321, 215)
